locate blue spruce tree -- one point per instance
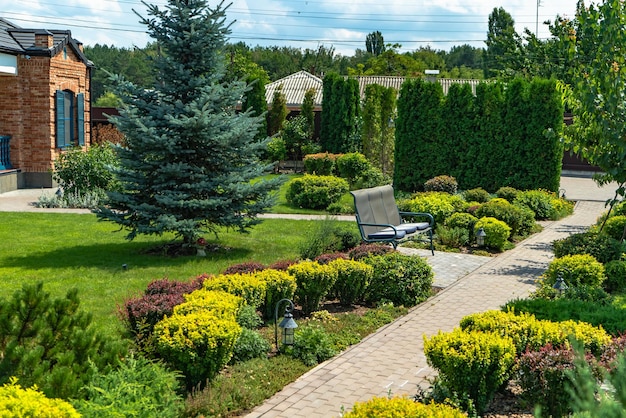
(190, 155)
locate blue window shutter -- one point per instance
(80, 106)
(60, 118)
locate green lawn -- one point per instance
(70, 250)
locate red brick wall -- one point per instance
(27, 112)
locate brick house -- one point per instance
(45, 79)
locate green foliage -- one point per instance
(138, 388)
(249, 345)
(248, 318)
(296, 136)
(477, 194)
(315, 192)
(520, 219)
(576, 270)
(353, 277)
(277, 113)
(339, 113)
(312, 345)
(610, 317)
(17, 402)
(615, 272)
(366, 250)
(503, 43)
(539, 201)
(507, 193)
(88, 172)
(276, 151)
(602, 247)
(542, 375)
(108, 99)
(400, 279)
(351, 166)
(279, 285)
(249, 286)
(497, 232)
(322, 164)
(561, 208)
(439, 204)
(190, 155)
(446, 184)
(615, 227)
(472, 363)
(50, 343)
(452, 237)
(378, 130)
(461, 220)
(314, 281)
(401, 407)
(371, 177)
(199, 338)
(328, 237)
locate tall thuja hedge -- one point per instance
(418, 127)
(340, 110)
(507, 135)
(377, 132)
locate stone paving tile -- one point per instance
(392, 360)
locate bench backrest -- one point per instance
(375, 205)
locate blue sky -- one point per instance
(342, 24)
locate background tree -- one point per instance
(190, 156)
(597, 52)
(378, 130)
(277, 113)
(503, 43)
(340, 112)
(375, 43)
(308, 112)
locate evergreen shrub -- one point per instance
(614, 227)
(446, 184)
(372, 177)
(497, 232)
(314, 281)
(576, 270)
(249, 345)
(401, 407)
(366, 250)
(452, 237)
(478, 194)
(615, 272)
(312, 345)
(400, 279)
(439, 204)
(602, 247)
(139, 388)
(250, 286)
(200, 336)
(507, 193)
(561, 208)
(329, 236)
(472, 363)
(461, 220)
(521, 220)
(351, 166)
(539, 201)
(248, 317)
(322, 164)
(353, 277)
(278, 285)
(316, 192)
(18, 402)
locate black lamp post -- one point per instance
(480, 237)
(288, 325)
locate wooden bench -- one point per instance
(379, 219)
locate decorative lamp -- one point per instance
(287, 325)
(480, 237)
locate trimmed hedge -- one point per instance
(401, 407)
(316, 192)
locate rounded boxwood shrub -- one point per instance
(401, 407)
(539, 201)
(351, 166)
(372, 177)
(18, 402)
(312, 345)
(507, 193)
(520, 219)
(614, 227)
(250, 286)
(249, 345)
(602, 247)
(313, 281)
(461, 220)
(439, 204)
(497, 232)
(401, 279)
(353, 277)
(478, 194)
(322, 164)
(576, 270)
(446, 184)
(315, 192)
(615, 271)
(278, 285)
(471, 363)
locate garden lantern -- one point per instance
(287, 325)
(560, 286)
(480, 237)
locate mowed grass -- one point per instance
(76, 250)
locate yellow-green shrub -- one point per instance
(199, 343)
(315, 192)
(577, 270)
(471, 363)
(250, 286)
(439, 204)
(614, 227)
(497, 232)
(561, 208)
(401, 407)
(526, 331)
(314, 281)
(279, 285)
(16, 402)
(353, 278)
(202, 300)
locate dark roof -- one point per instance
(15, 40)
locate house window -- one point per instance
(70, 119)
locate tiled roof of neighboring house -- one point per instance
(15, 40)
(396, 82)
(294, 87)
